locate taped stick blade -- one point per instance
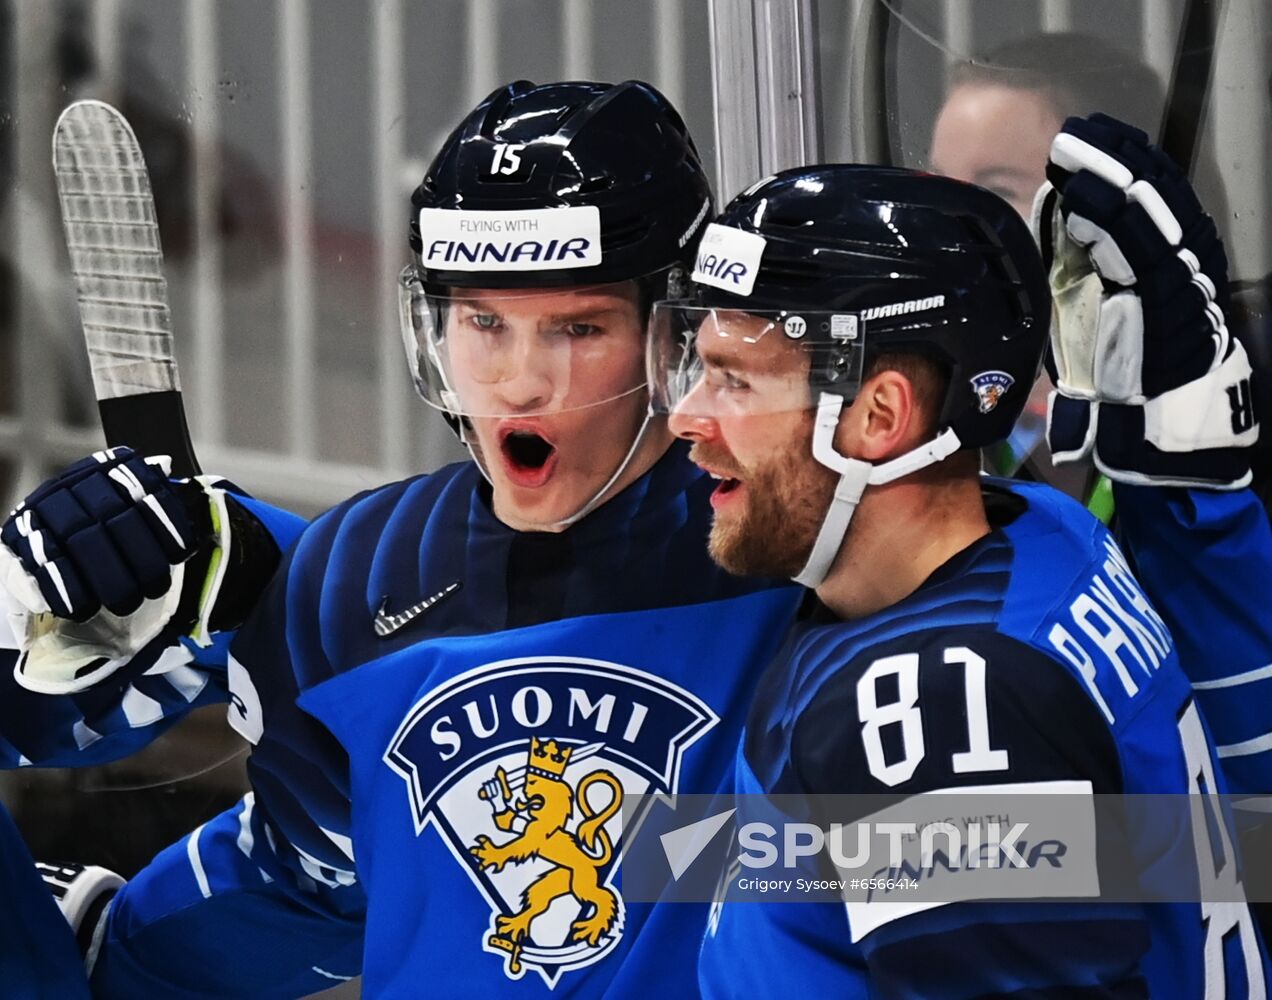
(111, 232)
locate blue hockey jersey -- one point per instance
(38, 956)
(1029, 659)
(447, 716)
(284, 928)
(1205, 560)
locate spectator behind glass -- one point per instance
(994, 128)
(1002, 110)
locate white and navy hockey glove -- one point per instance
(1149, 382)
(108, 556)
(82, 893)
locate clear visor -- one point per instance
(706, 362)
(522, 352)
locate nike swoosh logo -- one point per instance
(386, 624)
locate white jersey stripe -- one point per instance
(341, 841)
(84, 736)
(1236, 680)
(196, 862)
(1247, 747)
(140, 709)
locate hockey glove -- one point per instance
(108, 555)
(82, 892)
(1149, 381)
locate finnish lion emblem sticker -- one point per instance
(523, 767)
(990, 387)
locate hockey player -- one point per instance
(43, 907)
(1153, 388)
(453, 683)
(858, 333)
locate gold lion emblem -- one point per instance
(538, 815)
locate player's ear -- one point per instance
(882, 421)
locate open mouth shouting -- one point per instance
(529, 457)
(729, 486)
(727, 489)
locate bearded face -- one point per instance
(767, 510)
(749, 414)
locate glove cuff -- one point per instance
(238, 564)
(1071, 427)
(1124, 454)
(249, 564)
(1215, 411)
(82, 893)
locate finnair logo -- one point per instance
(903, 308)
(542, 239)
(729, 259)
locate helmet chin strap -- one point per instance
(854, 476)
(603, 493)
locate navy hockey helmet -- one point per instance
(550, 221)
(848, 263)
(565, 185)
(928, 265)
(618, 152)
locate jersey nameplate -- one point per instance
(1111, 635)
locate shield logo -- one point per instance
(989, 388)
(522, 767)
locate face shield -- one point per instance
(548, 385)
(504, 353)
(730, 367)
(710, 363)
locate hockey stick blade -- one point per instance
(108, 216)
